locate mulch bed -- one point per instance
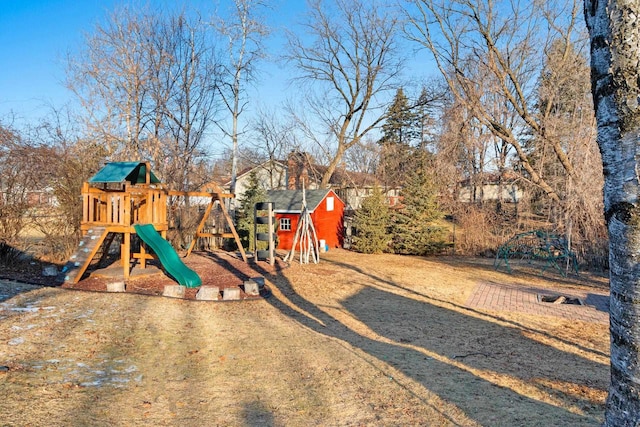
(218, 268)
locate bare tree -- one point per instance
(274, 137)
(347, 58)
(15, 182)
(245, 31)
(148, 84)
(565, 104)
(500, 41)
(191, 77)
(38, 165)
(615, 59)
(63, 158)
(363, 157)
(464, 146)
(518, 71)
(110, 77)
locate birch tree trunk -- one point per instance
(615, 58)
(245, 31)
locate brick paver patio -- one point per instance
(506, 297)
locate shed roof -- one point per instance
(291, 200)
(119, 172)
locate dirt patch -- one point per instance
(382, 340)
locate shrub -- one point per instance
(413, 226)
(371, 223)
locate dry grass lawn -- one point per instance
(355, 340)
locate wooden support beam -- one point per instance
(223, 235)
(147, 169)
(214, 197)
(142, 256)
(233, 231)
(201, 194)
(126, 255)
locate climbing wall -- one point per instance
(87, 249)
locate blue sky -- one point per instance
(37, 35)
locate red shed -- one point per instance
(326, 210)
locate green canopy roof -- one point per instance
(119, 172)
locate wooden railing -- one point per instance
(131, 205)
(122, 209)
(149, 207)
(106, 208)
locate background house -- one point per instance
(326, 210)
(354, 187)
(491, 187)
(351, 187)
(348, 189)
(272, 175)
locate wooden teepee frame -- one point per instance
(305, 236)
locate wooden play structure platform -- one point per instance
(127, 199)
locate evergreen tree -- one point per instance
(371, 222)
(401, 135)
(412, 226)
(255, 193)
(402, 125)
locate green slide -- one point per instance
(168, 256)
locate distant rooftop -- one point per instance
(291, 200)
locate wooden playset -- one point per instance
(127, 199)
